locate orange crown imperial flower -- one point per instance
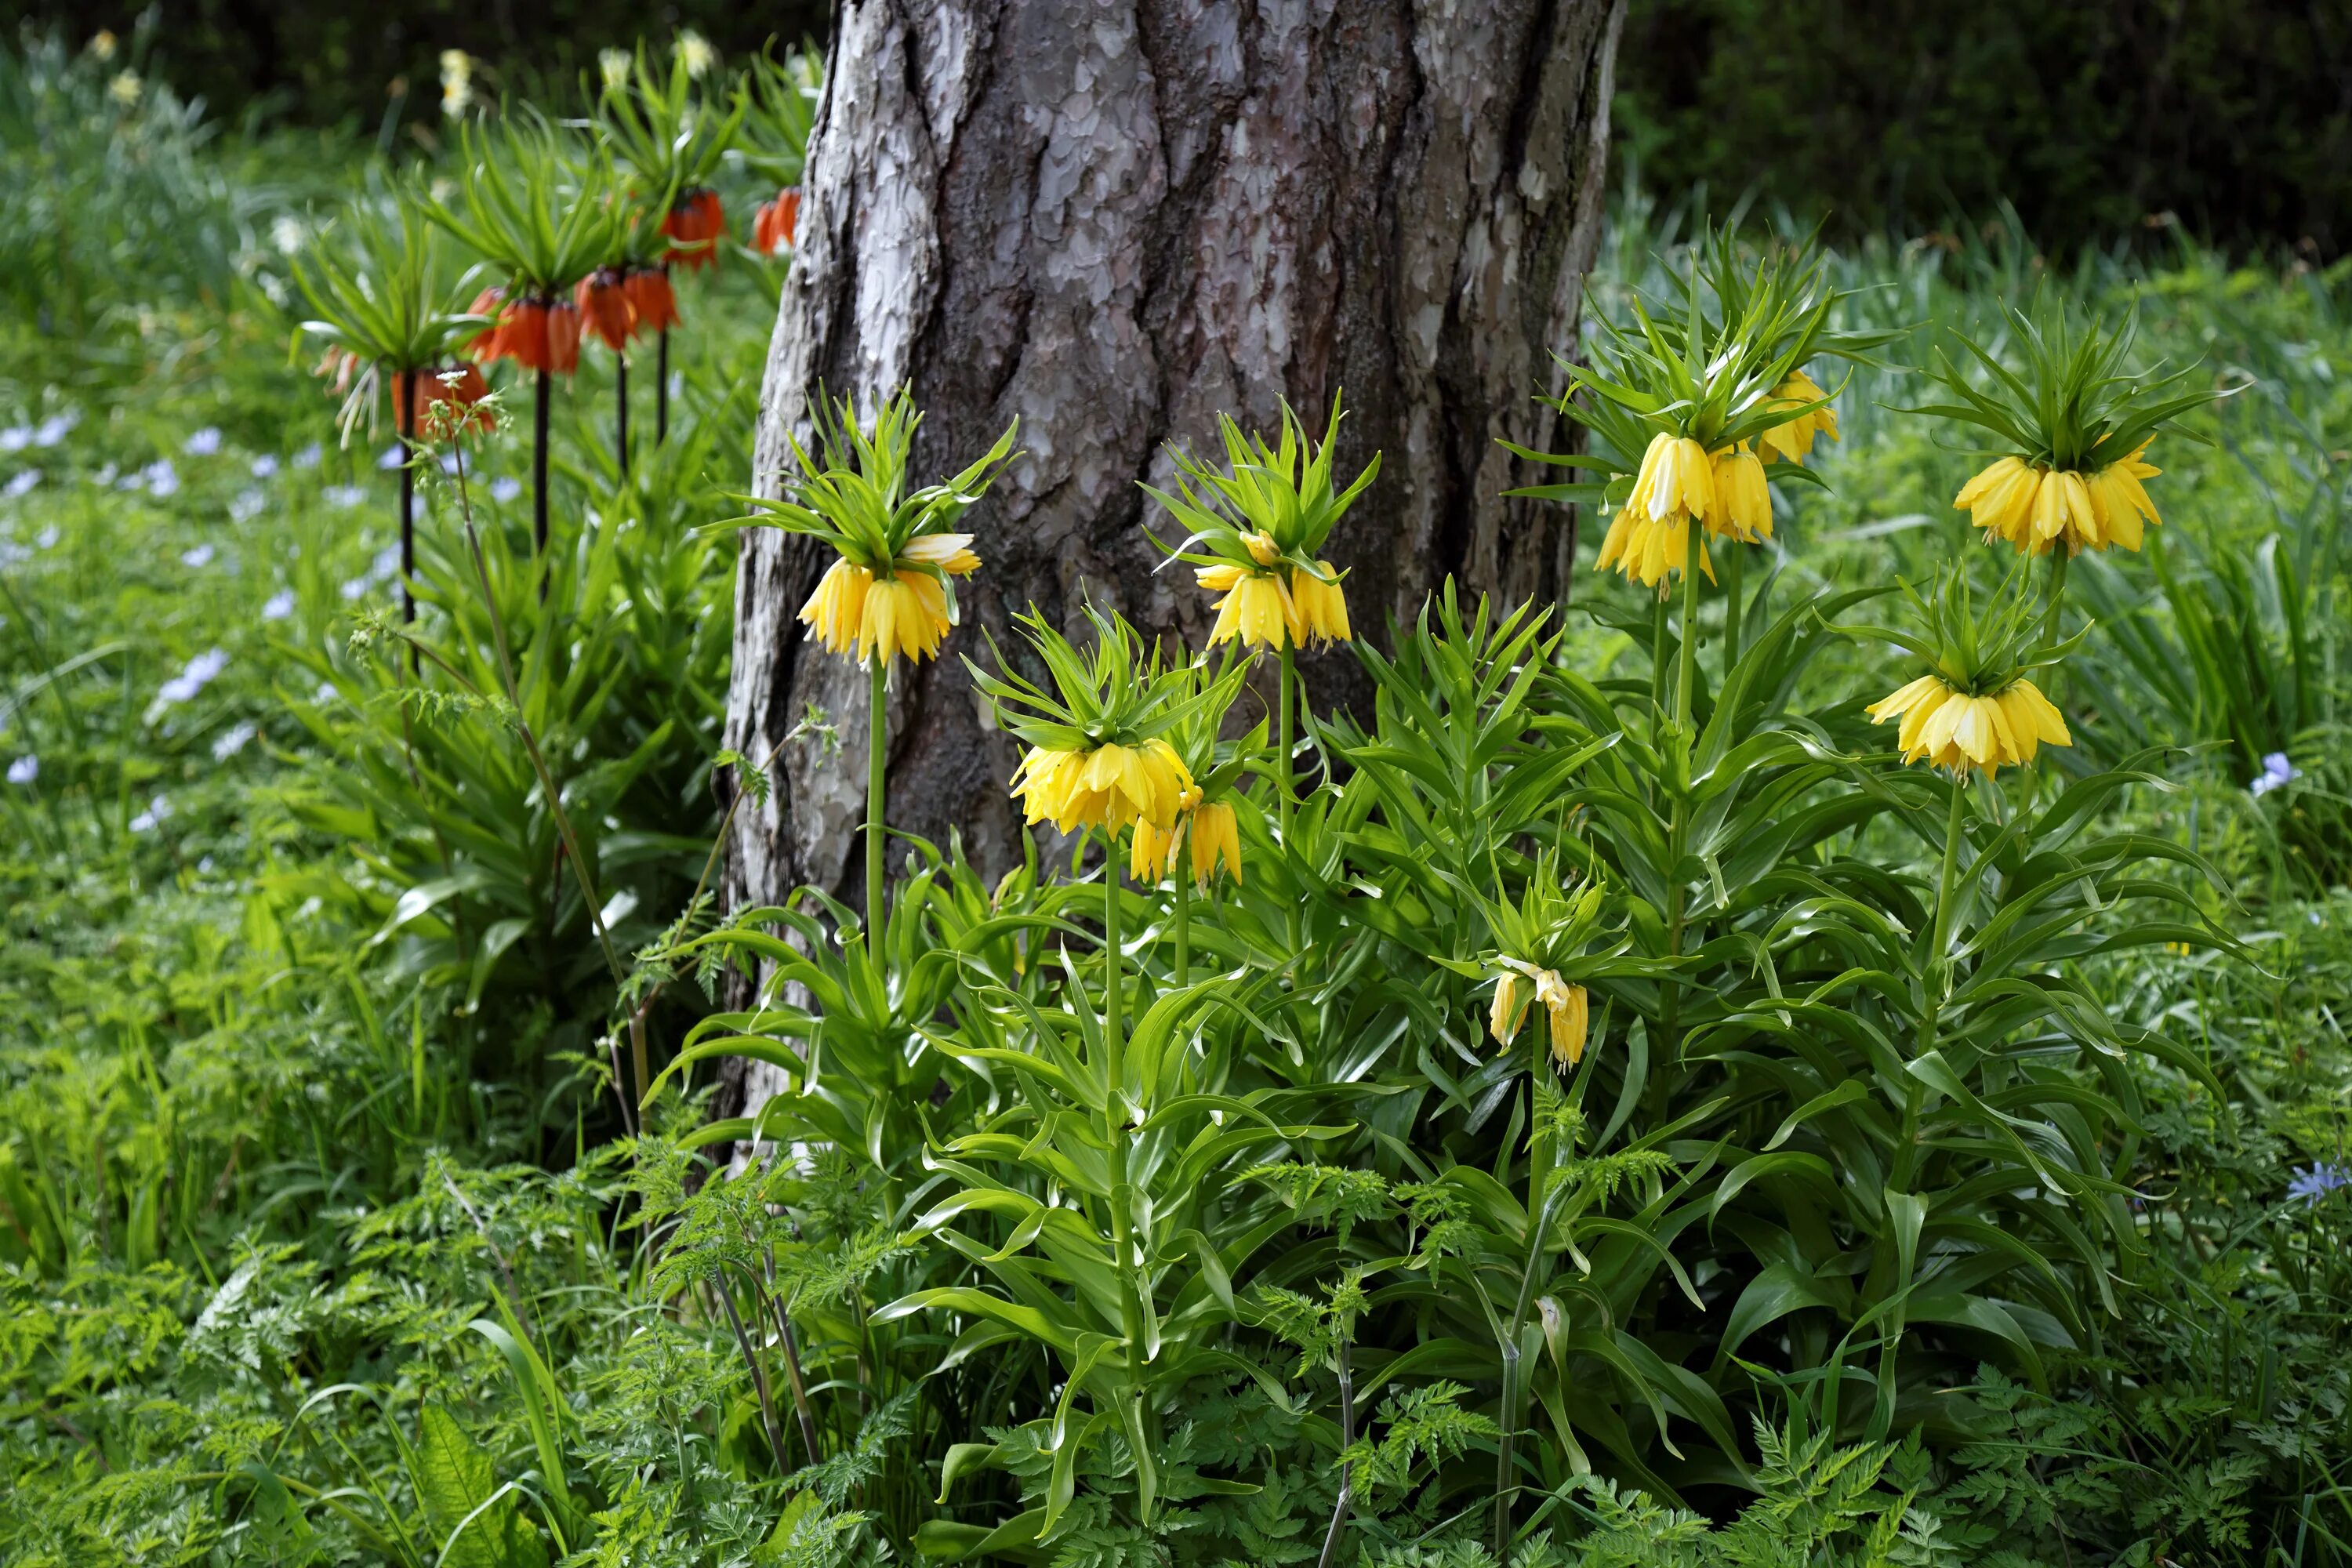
(776, 224)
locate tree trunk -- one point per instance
(1115, 220)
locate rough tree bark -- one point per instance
(1115, 220)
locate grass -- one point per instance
(316, 1240)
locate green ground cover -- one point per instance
(323, 1238)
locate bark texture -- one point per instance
(1113, 219)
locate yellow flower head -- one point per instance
(1948, 728)
(1109, 786)
(1567, 1010)
(1793, 438)
(2119, 500)
(950, 552)
(1256, 607)
(1743, 500)
(1261, 547)
(857, 614)
(837, 609)
(1318, 607)
(1215, 836)
(1650, 536)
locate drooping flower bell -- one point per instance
(1948, 728)
(902, 611)
(777, 223)
(2037, 508)
(1742, 498)
(1207, 834)
(1566, 1009)
(490, 304)
(605, 312)
(1107, 785)
(1792, 439)
(653, 301)
(562, 337)
(694, 224)
(1650, 536)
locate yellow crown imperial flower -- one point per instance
(1948, 728)
(2037, 508)
(856, 613)
(1256, 607)
(1208, 830)
(1319, 607)
(1743, 500)
(1566, 1009)
(1792, 439)
(1109, 786)
(1650, 535)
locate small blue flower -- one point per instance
(2277, 773)
(393, 456)
(202, 555)
(265, 467)
(345, 495)
(24, 770)
(204, 443)
(56, 428)
(21, 484)
(308, 457)
(2315, 1182)
(279, 606)
(504, 488)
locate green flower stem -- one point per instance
(1184, 909)
(1937, 982)
(877, 748)
(1289, 677)
(1687, 663)
(1735, 567)
(1115, 1129)
(1677, 822)
(2059, 557)
(1658, 659)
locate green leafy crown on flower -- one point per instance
(1554, 922)
(2070, 401)
(854, 494)
(1115, 692)
(1708, 368)
(664, 134)
(1216, 765)
(1285, 491)
(1979, 652)
(534, 201)
(782, 111)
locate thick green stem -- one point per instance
(1658, 660)
(1687, 662)
(877, 727)
(1184, 909)
(1735, 567)
(1116, 1129)
(1282, 732)
(1935, 985)
(2051, 617)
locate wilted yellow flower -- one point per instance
(1256, 606)
(456, 83)
(1567, 1010)
(696, 51)
(1793, 438)
(1948, 728)
(612, 66)
(1743, 502)
(2119, 500)
(950, 552)
(101, 44)
(1261, 547)
(1318, 607)
(1109, 786)
(124, 89)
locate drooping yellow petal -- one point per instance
(1215, 834)
(1321, 606)
(837, 608)
(950, 552)
(1792, 439)
(1503, 1016)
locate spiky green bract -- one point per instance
(2070, 401)
(666, 137)
(1204, 694)
(853, 493)
(1285, 491)
(780, 111)
(1707, 366)
(383, 290)
(1554, 922)
(534, 201)
(1976, 651)
(1113, 693)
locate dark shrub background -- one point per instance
(2095, 118)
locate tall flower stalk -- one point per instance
(534, 202)
(1256, 530)
(890, 589)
